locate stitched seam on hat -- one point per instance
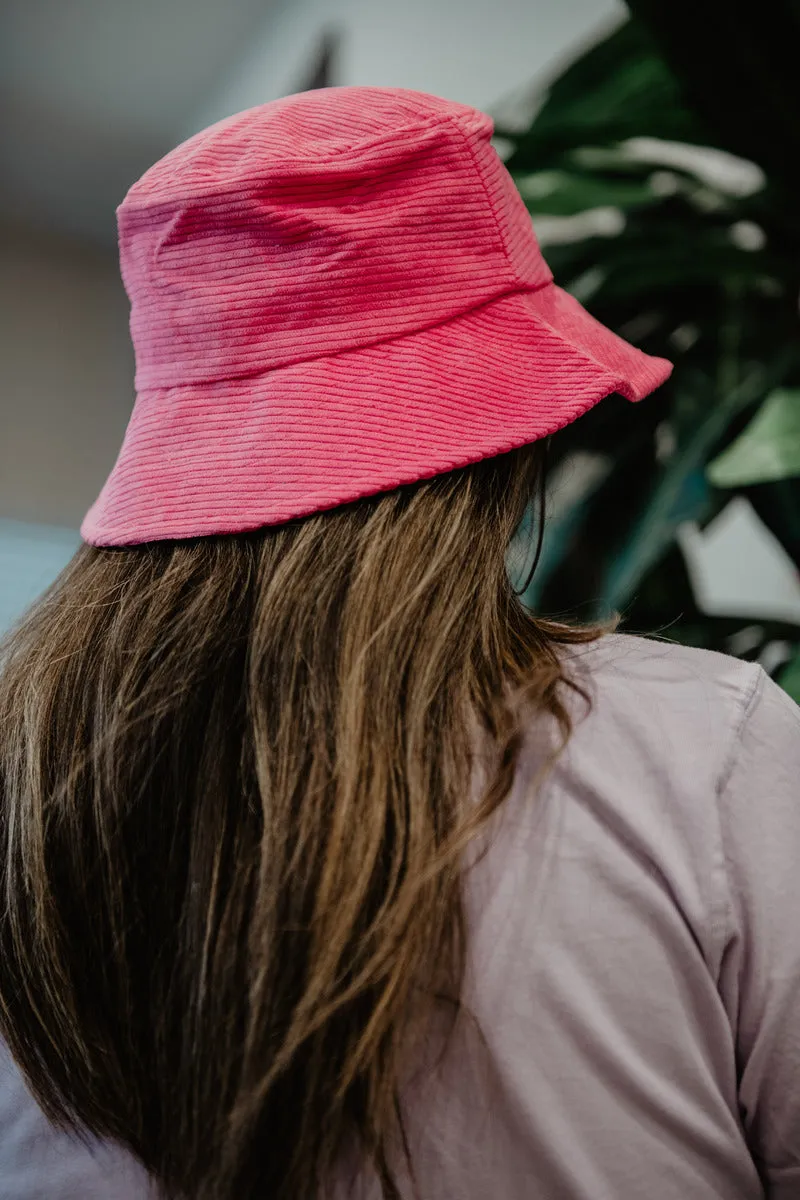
(587, 355)
(515, 290)
(489, 199)
(311, 166)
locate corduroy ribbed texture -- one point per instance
(331, 295)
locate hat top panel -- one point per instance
(295, 133)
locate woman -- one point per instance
(330, 870)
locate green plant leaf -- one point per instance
(682, 281)
(585, 474)
(751, 97)
(789, 678)
(682, 492)
(768, 449)
(777, 504)
(620, 88)
(681, 495)
(562, 193)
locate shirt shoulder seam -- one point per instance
(722, 917)
(748, 702)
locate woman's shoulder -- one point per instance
(670, 702)
(680, 703)
(689, 748)
(619, 659)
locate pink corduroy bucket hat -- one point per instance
(331, 295)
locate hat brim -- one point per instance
(238, 454)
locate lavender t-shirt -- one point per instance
(633, 969)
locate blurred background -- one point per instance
(659, 163)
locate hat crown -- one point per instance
(316, 224)
(295, 133)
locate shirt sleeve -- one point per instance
(759, 980)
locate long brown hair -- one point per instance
(235, 794)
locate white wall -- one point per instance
(66, 375)
(66, 387)
(30, 558)
(475, 51)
